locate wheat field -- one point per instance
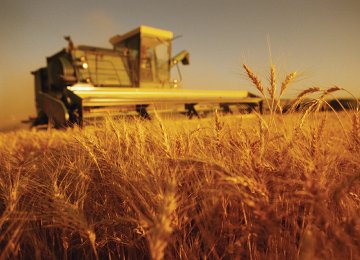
(221, 188)
(277, 186)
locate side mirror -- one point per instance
(183, 57)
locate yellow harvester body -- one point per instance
(80, 83)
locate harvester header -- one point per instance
(81, 82)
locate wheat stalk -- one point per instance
(160, 233)
(355, 131)
(284, 85)
(219, 126)
(272, 88)
(164, 134)
(331, 90)
(307, 92)
(254, 79)
(301, 96)
(288, 79)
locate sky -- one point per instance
(318, 38)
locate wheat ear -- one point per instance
(272, 88)
(254, 79)
(302, 94)
(284, 85)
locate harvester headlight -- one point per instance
(175, 83)
(84, 65)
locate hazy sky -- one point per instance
(321, 39)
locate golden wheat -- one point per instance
(288, 79)
(254, 78)
(218, 188)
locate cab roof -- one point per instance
(142, 30)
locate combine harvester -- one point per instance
(83, 83)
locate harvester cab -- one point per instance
(81, 83)
(148, 54)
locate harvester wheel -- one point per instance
(191, 111)
(226, 108)
(41, 119)
(141, 109)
